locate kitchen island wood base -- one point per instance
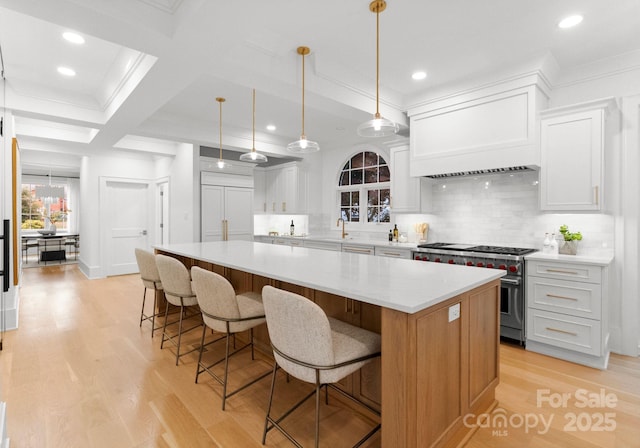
(433, 372)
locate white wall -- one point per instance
(11, 297)
(113, 164)
(184, 193)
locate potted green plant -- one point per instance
(569, 245)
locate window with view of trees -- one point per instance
(365, 177)
(43, 205)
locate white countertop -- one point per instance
(348, 240)
(597, 258)
(399, 284)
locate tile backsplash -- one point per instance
(502, 209)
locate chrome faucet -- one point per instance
(338, 225)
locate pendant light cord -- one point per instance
(253, 146)
(220, 135)
(303, 94)
(377, 60)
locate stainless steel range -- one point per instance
(512, 287)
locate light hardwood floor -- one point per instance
(80, 372)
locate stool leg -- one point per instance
(144, 297)
(226, 369)
(153, 316)
(179, 332)
(198, 372)
(164, 327)
(318, 389)
(273, 385)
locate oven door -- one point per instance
(512, 308)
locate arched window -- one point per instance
(364, 189)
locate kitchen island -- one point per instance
(439, 326)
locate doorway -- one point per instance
(126, 221)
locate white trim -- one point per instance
(628, 245)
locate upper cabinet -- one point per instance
(259, 190)
(574, 142)
(408, 194)
(285, 189)
(486, 128)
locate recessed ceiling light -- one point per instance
(271, 127)
(570, 21)
(66, 71)
(419, 75)
(73, 37)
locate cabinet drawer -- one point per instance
(562, 296)
(560, 330)
(368, 250)
(322, 245)
(566, 271)
(393, 252)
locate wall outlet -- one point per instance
(454, 312)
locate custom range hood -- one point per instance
(510, 169)
(492, 129)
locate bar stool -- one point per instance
(226, 312)
(151, 280)
(314, 348)
(176, 283)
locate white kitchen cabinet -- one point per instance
(286, 189)
(324, 245)
(573, 146)
(393, 252)
(358, 249)
(408, 194)
(226, 213)
(284, 241)
(259, 190)
(567, 310)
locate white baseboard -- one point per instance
(4, 440)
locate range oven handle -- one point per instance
(510, 281)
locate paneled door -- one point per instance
(227, 213)
(239, 213)
(127, 224)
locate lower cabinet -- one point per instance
(324, 245)
(392, 252)
(567, 311)
(358, 249)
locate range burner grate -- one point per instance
(501, 250)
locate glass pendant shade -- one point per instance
(254, 156)
(378, 126)
(303, 146)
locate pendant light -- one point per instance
(378, 126)
(221, 163)
(253, 156)
(303, 145)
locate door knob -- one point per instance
(144, 232)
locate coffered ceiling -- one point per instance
(149, 71)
